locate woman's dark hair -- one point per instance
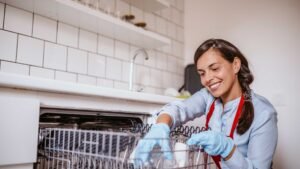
(245, 77)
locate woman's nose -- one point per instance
(207, 78)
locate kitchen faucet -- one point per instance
(136, 53)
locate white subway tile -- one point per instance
(125, 71)
(161, 61)
(121, 85)
(30, 51)
(41, 72)
(55, 56)
(65, 76)
(176, 16)
(172, 30)
(105, 83)
(122, 50)
(44, 28)
(8, 45)
(87, 80)
(105, 46)
(152, 59)
(77, 61)
(138, 14)
(150, 20)
(166, 13)
(1, 14)
(179, 4)
(161, 25)
(167, 80)
(113, 69)
(155, 78)
(87, 40)
(180, 64)
(142, 75)
(96, 65)
(122, 8)
(107, 5)
(180, 34)
(18, 20)
(15, 68)
(67, 35)
(172, 64)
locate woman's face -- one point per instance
(217, 74)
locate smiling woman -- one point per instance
(241, 121)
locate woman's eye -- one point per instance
(215, 69)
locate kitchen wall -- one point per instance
(34, 45)
(268, 33)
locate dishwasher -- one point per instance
(76, 139)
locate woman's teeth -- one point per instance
(214, 86)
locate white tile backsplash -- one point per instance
(77, 61)
(122, 8)
(125, 71)
(18, 20)
(65, 76)
(67, 35)
(55, 56)
(139, 15)
(105, 83)
(87, 40)
(114, 70)
(155, 78)
(161, 25)
(87, 80)
(96, 65)
(172, 30)
(8, 45)
(15, 68)
(121, 85)
(150, 20)
(44, 28)
(41, 72)
(30, 51)
(105, 46)
(151, 62)
(68, 53)
(121, 50)
(107, 5)
(1, 14)
(161, 61)
(142, 75)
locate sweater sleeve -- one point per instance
(189, 109)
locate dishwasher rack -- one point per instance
(61, 148)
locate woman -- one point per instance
(243, 125)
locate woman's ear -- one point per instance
(236, 64)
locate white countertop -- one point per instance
(8, 80)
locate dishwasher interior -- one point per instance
(77, 139)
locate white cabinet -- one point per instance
(149, 5)
(76, 14)
(19, 120)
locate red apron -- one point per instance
(217, 158)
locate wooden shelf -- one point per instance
(76, 14)
(149, 5)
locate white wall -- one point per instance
(268, 33)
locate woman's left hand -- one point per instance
(213, 143)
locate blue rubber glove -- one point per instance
(213, 143)
(158, 135)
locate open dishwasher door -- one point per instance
(19, 122)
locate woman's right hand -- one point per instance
(158, 135)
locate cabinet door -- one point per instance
(19, 121)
